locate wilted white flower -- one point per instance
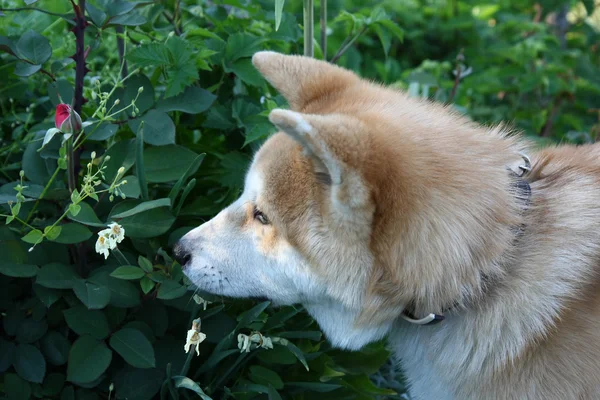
(117, 232)
(245, 341)
(200, 301)
(102, 246)
(194, 337)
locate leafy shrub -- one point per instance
(171, 111)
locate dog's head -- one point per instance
(323, 200)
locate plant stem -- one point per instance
(121, 47)
(347, 44)
(309, 24)
(323, 17)
(71, 165)
(50, 182)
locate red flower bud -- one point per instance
(66, 119)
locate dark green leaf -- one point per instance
(88, 359)
(25, 69)
(186, 383)
(140, 170)
(56, 348)
(191, 169)
(91, 295)
(34, 236)
(34, 47)
(314, 386)
(102, 132)
(244, 69)
(53, 384)
(138, 384)
(273, 395)
(159, 129)
(47, 296)
(16, 388)
(87, 322)
(240, 45)
(86, 216)
(29, 363)
(57, 276)
(7, 354)
(30, 330)
(278, 12)
(122, 154)
(298, 353)
(145, 206)
(73, 233)
(128, 272)
(134, 347)
(170, 290)
(149, 223)
(250, 316)
(265, 376)
(193, 100)
(153, 54)
(122, 293)
(18, 270)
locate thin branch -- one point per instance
(33, 9)
(323, 17)
(457, 75)
(547, 130)
(347, 44)
(172, 22)
(309, 26)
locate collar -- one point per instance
(524, 195)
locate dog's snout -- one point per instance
(182, 256)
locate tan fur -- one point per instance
(421, 212)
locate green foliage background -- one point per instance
(76, 326)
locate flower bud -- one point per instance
(66, 119)
(121, 170)
(141, 89)
(22, 174)
(117, 101)
(93, 155)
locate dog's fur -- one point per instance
(378, 203)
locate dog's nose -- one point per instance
(182, 256)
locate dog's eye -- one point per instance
(260, 217)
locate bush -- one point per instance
(171, 111)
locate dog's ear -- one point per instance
(300, 79)
(336, 145)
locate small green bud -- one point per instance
(141, 89)
(22, 174)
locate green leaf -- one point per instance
(98, 16)
(35, 167)
(74, 209)
(34, 47)
(122, 293)
(94, 297)
(56, 348)
(167, 163)
(241, 45)
(104, 131)
(589, 6)
(7, 354)
(153, 54)
(170, 290)
(314, 386)
(186, 383)
(122, 154)
(30, 330)
(265, 376)
(180, 77)
(298, 353)
(16, 388)
(148, 223)
(147, 284)
(273, 395)
(193, 100)
(258, 132)
(57, 276)
(278, 13)
(145, 206)
(29, 363)
(18, 270)
(88, 359)
(87, 322)
(244, 69)
(34, 236)
(53, 384)
(128, 272)
(191, 169)
(52, 232)
(250, 316)
(86, 216)
(159, 129)
(138, 384)
(25, 69)
(46, 296)
(145, 264)
(134, 347)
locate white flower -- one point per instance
(194, 337)
(199, 300)
(102, 246)
(108, 239)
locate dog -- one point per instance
(389, 216)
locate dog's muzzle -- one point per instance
(182, 255)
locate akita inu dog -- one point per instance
(383, 214)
